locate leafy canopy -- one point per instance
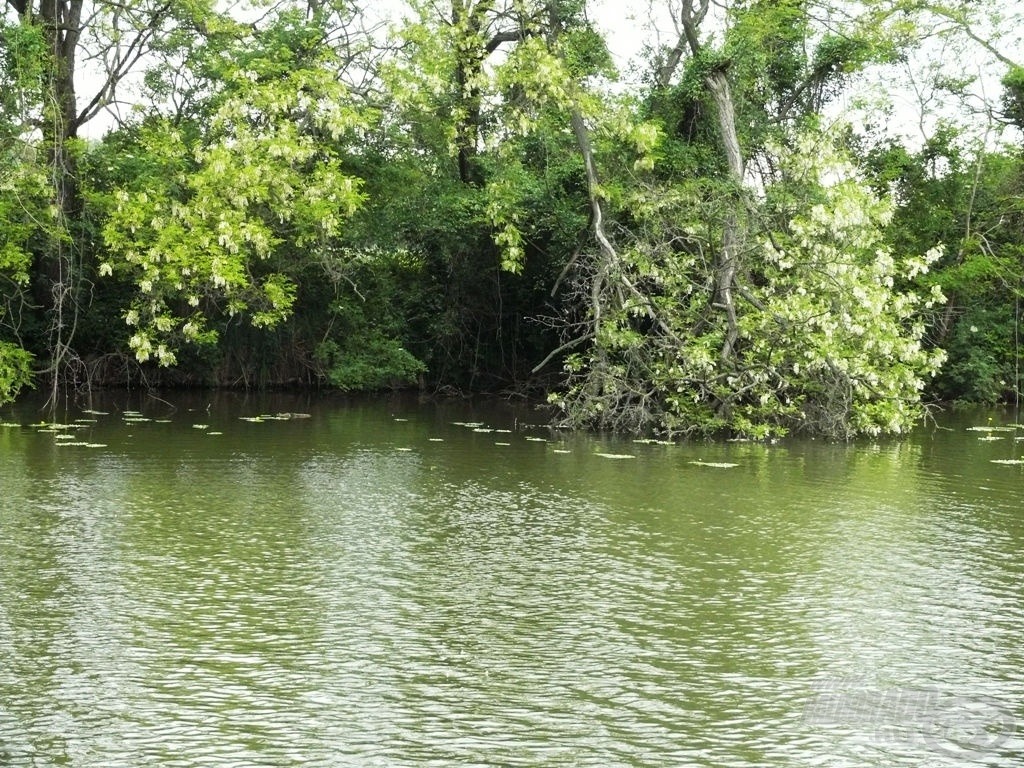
(210, 229)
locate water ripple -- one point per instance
(819, 606)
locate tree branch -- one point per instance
(500, 38)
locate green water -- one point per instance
(376, 585)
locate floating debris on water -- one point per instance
(615, 455)
(214, 433)
(400, 419)
(435, 439)
(483, 429)
(537, 439)
(503, 443)
(283, 416)
(200, 426)
(52, 429)
(403, 449)
(717, 464)
(560, 450)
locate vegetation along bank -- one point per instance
(773, 216)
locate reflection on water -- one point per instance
(377, 586)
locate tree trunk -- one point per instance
(729, 255)
(468, 20)
(57, 275)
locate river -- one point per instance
(383, 582)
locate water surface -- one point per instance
(382, 585)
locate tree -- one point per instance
(474, 180)
(211, 229)
(967, 196)
(49, 39)
(958, 182)
(21, 198)
(23, 201)
(715, 317)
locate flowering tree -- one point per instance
(213, 225)
(828, 333)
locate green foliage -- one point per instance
(968, 198)
(210, 231)
(26, 217)
(1013, 95)
(364, 348)
(766, 43)
(22, 205)
(585, 53)
(258, 222)
(837, 318)
(983, 354)
(23, 58)
(788, 59)
(15, 370)
(827, 340)
(23, 180)
(843, 54)
(372, 362)
(493, 240)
